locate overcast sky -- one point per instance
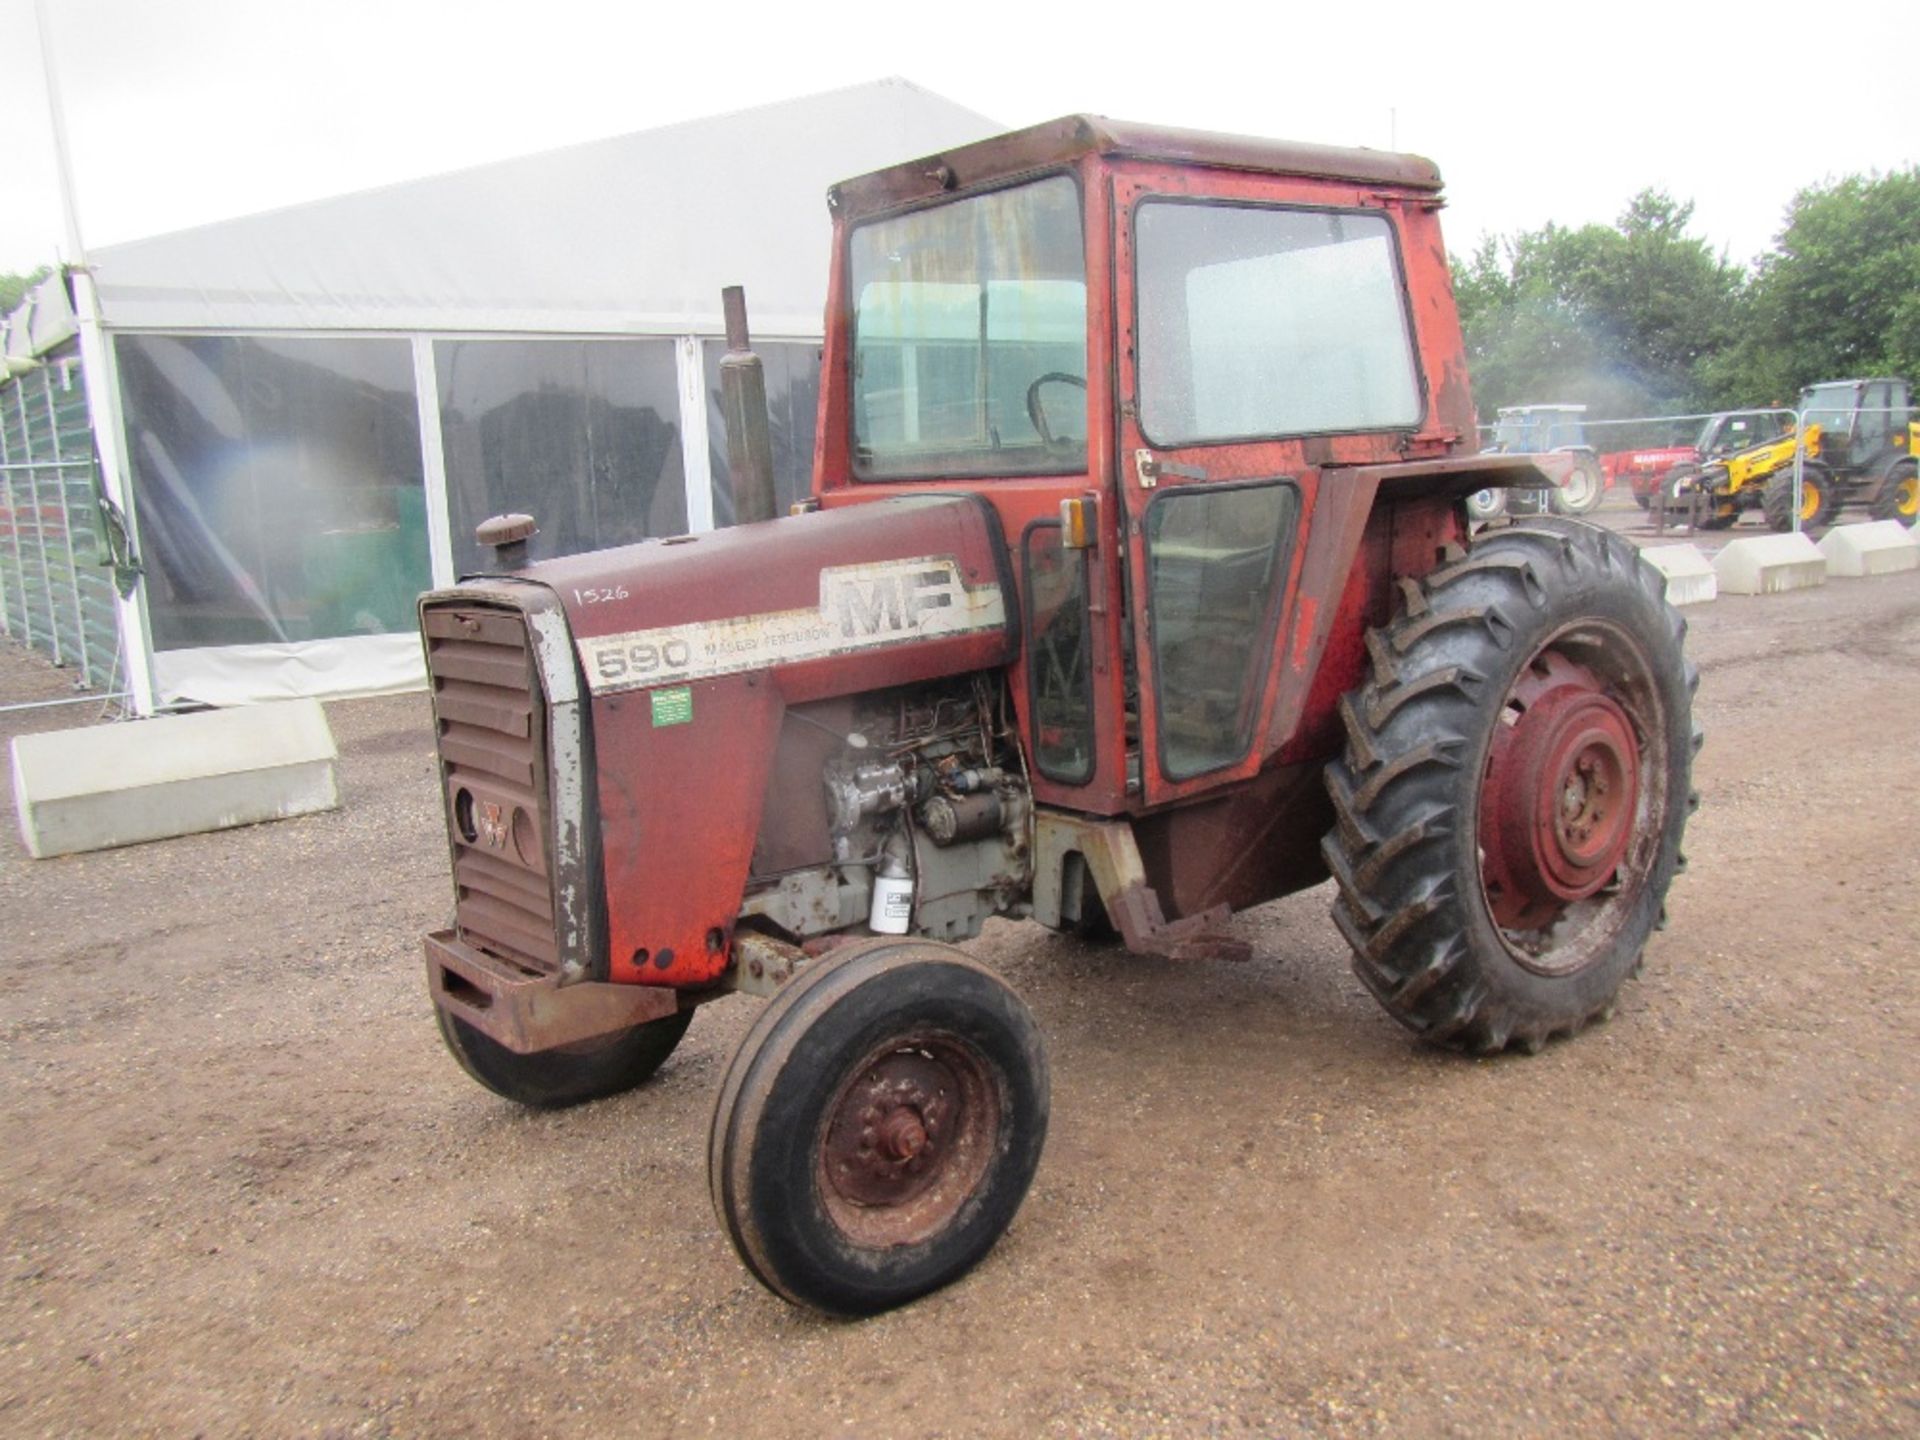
(185, 111)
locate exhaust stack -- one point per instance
(743, 401)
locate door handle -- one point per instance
(1150, 467)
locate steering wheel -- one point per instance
(1038, 415)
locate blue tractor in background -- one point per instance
(1543, 430)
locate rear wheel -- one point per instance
(1583, 488)
(1515, 786)
(1816, 498)
(878, 1127)
(550, 1079)
(1899, 498)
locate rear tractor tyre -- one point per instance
(1510, 806)
(570, 1075)
(878, 1127)
(1899, 498)
(1816, 498)
(1584, 487)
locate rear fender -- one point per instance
(1372, 525)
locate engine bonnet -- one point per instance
(826, 596)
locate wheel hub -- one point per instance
(1561, 790)
(887, 1141)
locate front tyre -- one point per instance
(1816, 497)
(1514, 789)
(1485, 505)
(570, 1075)
(878, 1127)
(1899, 498)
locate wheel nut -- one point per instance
(903, 1135)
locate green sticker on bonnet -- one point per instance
(672, 707)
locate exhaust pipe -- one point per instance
(743, 401)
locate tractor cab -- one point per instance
(1160, 358)
(1734, 431)
(1863, 423)
(1540, 428)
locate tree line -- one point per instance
(14, 288)
(1643, 317)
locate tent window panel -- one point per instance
(584, 435)
(278, 486)
(793, 401)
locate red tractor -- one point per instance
(1134, 589)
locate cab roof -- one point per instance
(1060, 142)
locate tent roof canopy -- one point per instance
(635, 234)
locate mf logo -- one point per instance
(892, 604)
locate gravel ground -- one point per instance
(245, 1192)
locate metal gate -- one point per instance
(56, 578)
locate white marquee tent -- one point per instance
(304, 413)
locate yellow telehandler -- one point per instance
(1861, 438)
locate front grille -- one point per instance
(490, 718)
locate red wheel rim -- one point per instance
(908, 1139)
(1561, 797)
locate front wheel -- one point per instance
(1514, 789)
(1816, 497)
(1899, 498)
(1485, 505)
(878, 1127)
(570, 1075)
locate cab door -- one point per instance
(1259, 340)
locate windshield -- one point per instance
(1828, 406)
(1544, 428)
(1727, 434)
(1260, 321)
(970, 337)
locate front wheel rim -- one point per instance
(907, 1140)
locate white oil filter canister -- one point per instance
(892, 908)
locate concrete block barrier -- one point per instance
(1768, 564)
(110, 785)
(1878, 547)
(1690, 579)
